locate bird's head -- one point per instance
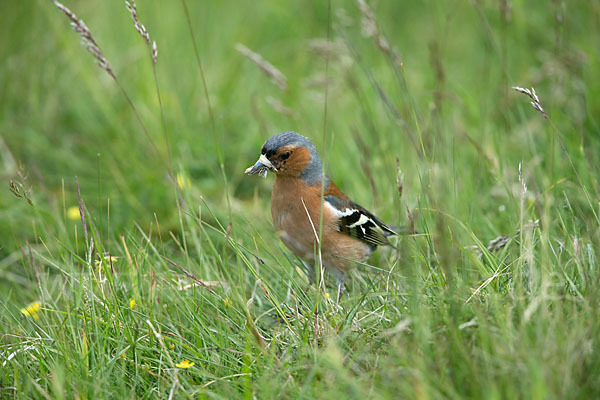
(289, 154)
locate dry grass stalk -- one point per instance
(87, 40)
(278, 78)
(370, 29)
(533, 96)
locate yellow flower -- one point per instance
(32, 309)
(132, 304)
(185, 364)
(183, 181)
(227, 302)
(106, 259)
(110, 259)
(73, 213)
(122, 356)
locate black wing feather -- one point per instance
(361, 224)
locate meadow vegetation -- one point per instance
(138, 261)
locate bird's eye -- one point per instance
(285, 155)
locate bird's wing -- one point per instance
(359, 223)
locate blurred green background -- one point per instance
(446, 118)
(62, 117)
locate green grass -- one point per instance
(436, 319)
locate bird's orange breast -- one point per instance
(296, 212)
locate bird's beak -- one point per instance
(261, 167)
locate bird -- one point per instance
(348, 232)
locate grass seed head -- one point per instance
(533, 96)
(131, 7)
(278, 78)
(370, 30)
(87, 40)
(136, 22)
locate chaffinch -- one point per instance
(350, 233)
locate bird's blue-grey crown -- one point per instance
(312, 173)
